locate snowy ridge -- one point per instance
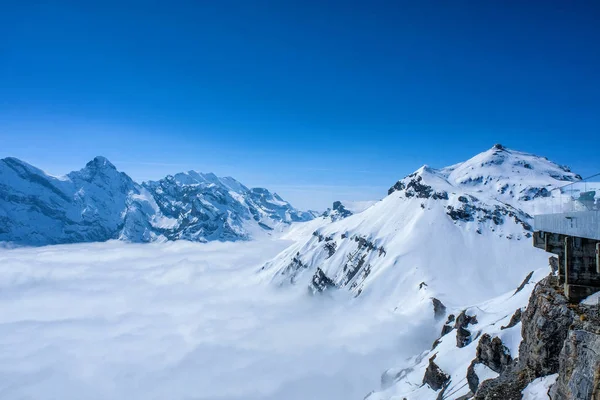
(458, 236)
(415, 233)
(99, 203)
(206, 207)
(96, 203)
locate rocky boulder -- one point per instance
(434, 376)
(463, 335)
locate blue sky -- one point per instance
(318, 100)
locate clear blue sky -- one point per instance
(317, 100)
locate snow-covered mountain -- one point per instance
(96, 203)
(467, 224)
(206, 207)
(99, 203)
(442, 241)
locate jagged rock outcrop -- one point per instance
(492, 353)
(514, 320)
(579, 360)
(463, 335)
(337, 212)
(434, 376)
(525, 282)
(557, 338)
(447, 328)
(321, 282)
(472, 378)
(439, 309)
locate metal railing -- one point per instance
(583, 195)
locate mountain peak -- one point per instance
(100, 162)
(500, 162)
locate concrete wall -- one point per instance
(585, 224)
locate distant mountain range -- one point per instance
(99, 203)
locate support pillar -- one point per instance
(567, 259)
(561, 269)
(598, 258)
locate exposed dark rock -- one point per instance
(546, 321)
(472, 378)
(579, 360)
(463, 335)
(439, 309)
(447, 328)
(441, 394)
(534, 193)
(397, 186)
(507, 386)
(331, 247)
(422, 285)
(321, 282)
(337, 212)
(468, 212)
(546, 324)
(525, 282)
(459, 214)
(416, 188)
(294, 268)
(434, 376)
(514, 320)
(492, 353)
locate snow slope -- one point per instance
(462, 229)
(96, 203)
(459, 235)
(405, 379)
(99, 203)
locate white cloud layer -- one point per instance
(183, 321)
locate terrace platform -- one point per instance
(575, 238)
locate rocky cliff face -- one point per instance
(558, 338)
(546, 349)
